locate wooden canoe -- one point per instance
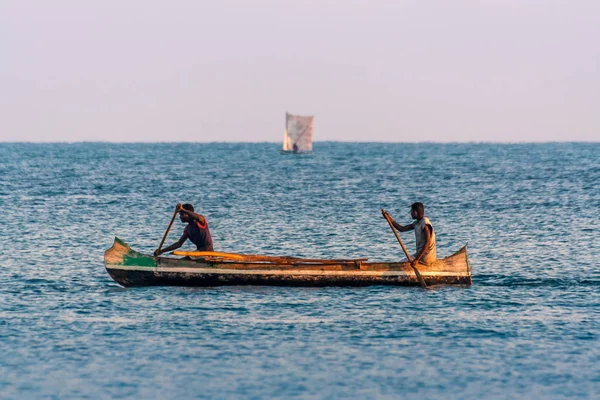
(130, 268)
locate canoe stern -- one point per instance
(121, 255)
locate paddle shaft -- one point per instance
(167, 231)
(419, 277)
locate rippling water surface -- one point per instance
(529, 326)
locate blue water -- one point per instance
(528, 327)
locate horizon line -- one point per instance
(279, 142)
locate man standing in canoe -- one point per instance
(196, 230)
(424, 234)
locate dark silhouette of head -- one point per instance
(417, 210)
(184, 217)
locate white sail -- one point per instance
(298, 133)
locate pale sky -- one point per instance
(228, 70)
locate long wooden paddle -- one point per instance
(168, 229)
(417, 273)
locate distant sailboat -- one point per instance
(298, 134)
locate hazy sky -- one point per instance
(227, 70)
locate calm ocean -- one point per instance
(528, 327)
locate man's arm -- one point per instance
(426, 247)
(403, 228)
(192, 214)
(172, 247)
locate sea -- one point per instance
(528, 326)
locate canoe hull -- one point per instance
(155, 278)
(297, 152)
(130, 268)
